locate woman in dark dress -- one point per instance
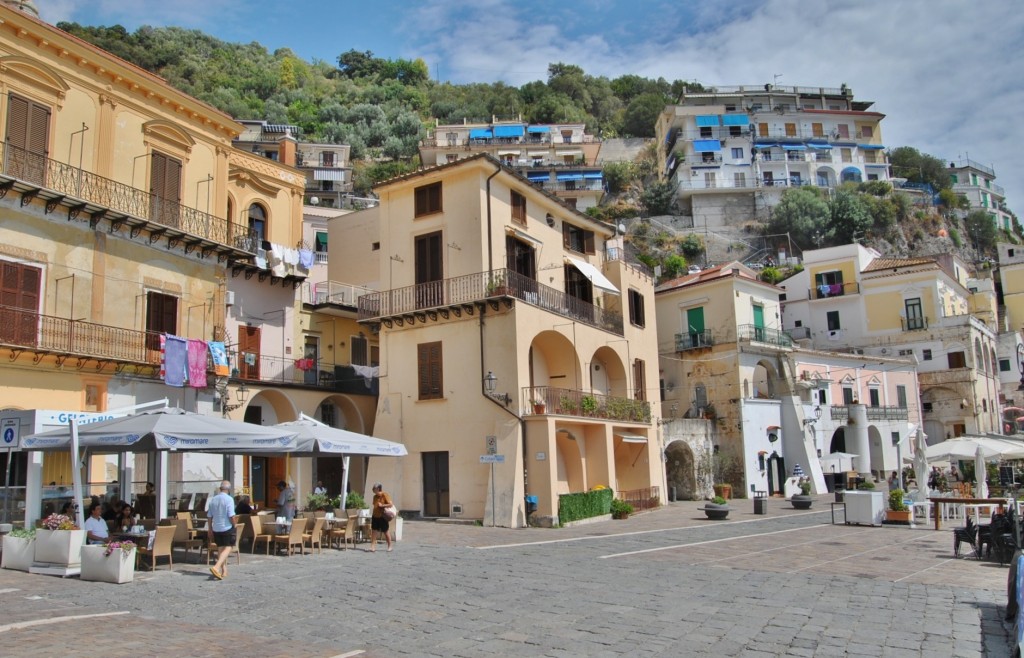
(379, 523)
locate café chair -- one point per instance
(314, 536)
(185, 538)
(255, 524)
(212, 548)
(161, 547)
(293, 537)
(344, 534)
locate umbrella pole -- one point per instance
(76, 474)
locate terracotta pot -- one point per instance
(723, 490)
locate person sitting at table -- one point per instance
(112, 511)
(127, 519)
(69, 509)
(95, 527)
(320, 489)
(243, 506)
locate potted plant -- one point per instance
(316, 501)
(621, 509)
(588, 405)
(716, 509)
(803, 499)
(59, 542)
(539, 406)
(567, 405)
(496, 286)
(354, 501)
(19, 547)
(723, 490)
(898, 511)
(110, 563)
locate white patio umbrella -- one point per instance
(980, 474)
(966, 447)
(921, 461)
(314, 436)
(839, 458)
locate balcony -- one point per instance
(828, 291)
(321, 374)
(694, 341)
(583, 404)
(755, 334)
(841, 413)
(464, 293)
(333, 294)
(99, 198)
(914, 324)
(946, 376)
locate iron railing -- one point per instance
(841, 413)
(333, 292)
(914, 324)
(479, 287)
(825, 290)
(642, 500)
(35, 168)
(763, 335)
(583, 404)
(694, 340)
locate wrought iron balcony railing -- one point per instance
(582, 404)
(914, 324)
(826, 291)
(68, 181)
(841, 413)
(694, 340)
(478, 287)
(757, 334)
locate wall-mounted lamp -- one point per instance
(491, 384)
(241, 394)
(817, 417)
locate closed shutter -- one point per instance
(28, 135)
(566, 236)
(161, 317)
(249, 352)
(429, 367)
(639, 379)
(165, 187)
(19, 303)
(588, 242)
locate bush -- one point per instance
(316, 501)
(954, 235)
(620, 507)
(718, 500)
(866, 485)
(896, 501)
(354, 501)
(573, 507)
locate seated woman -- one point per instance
(242, 505)
(126, 520)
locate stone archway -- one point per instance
(680, 470)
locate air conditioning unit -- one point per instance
(229, 298)
(857, 350)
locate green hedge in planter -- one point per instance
(573, 507)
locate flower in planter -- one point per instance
(59, 522)
(126, 548)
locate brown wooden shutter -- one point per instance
(639, 379)
(588, 242)
(429, 370)
(19, 296)
(17, 122)
(565, 235)
(28, 133)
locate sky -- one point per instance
(948, 74)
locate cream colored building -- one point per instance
(850, 298)
(504, 327)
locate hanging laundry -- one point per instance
(196, 363)
(291, 256)
(163, 357)
(249, 358)
(219, 356)
(306, 258)
(261, 259)
(368, 373)
(177, 361)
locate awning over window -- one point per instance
(508, 131)
(736, 120)
(766, 146)
(329, 174)
(794, 147)
(537, 154)
(820, 146)
(522, 235)
(593, 175)
(573, 152)
(480, 133)
(537, 129)
(569, 175)
(870, 147)
(507, 152)
(538, 175)
(321, 241)
(632, 438)
(599, 280)
(707, 120)
(707, 145)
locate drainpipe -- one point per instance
(490, 243)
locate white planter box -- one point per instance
(62, 547)
(118, 567)
(864, 507)
(18, 553)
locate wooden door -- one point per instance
(429, 270)
(435, 484)
(19, 303)
(249, 352)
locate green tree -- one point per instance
(907, 162)
(618, 176)
(642, 114)
(982, 231)
(658, 198)
(803, 214)
(674, 265)
(849, 218)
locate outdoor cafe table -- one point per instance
(962, 501)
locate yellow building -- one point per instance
(505, 327)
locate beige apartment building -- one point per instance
(509, 333)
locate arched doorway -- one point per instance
(680, 470)
(838, 443)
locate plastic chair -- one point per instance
(161, 547)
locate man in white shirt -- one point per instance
(320, 488)
(221, 514)
(95, 526)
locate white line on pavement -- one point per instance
(886, 547)
(784, 547)
(56, 620)
(637, 532)
(9, 590)
(938, 564)
(357, 652)
(710, 541)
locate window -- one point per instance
(28, 132)
(577, 239)
(956, 360)
(636, 308)
(735, 131)
(762, 130)
(258, 222)
(1004, 365)
(873, 396)
(737, 153)
(165, 186)
(867, 131)
(847, 395)
(832, 318)
(571, 202)
(843, 130)
(518, 208)
(926, 407)
(375, 246)
(926, 355)
(901, 396)
(846, 155)
(915, 316)
(954, 178)
(639, 377)
(739, 179)
(359, 350)
(790, 130)
(19, 295)
(817, 130)
(326, 159)
(710, 180)
(321, 242)
(161, 317)
(428, 200)
(705, 132)
(429, 367)
(700, 396)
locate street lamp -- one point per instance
(241, 394)
(490, 384)
(817, 417)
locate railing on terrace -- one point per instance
(574, 186)
(273, 369)
(914, 324)
(617, 254)
(35, 331)
(967, 162)
(72, 181)
(694, 341)
(825, 291)
(763, 335)
(642, 500)
(334, 292)
(841, 413)
(478, 287)
(570, 402)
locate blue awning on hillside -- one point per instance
(593, 175)
(766, 145)
(819, 146)
(538, 175)
(508, 131)
(537, 129)
(707, 120)
(794, 147)
(736, 120)
(571, 175)
(480, 133)
(707, 145)
(870, 147)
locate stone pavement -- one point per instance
(663, 583)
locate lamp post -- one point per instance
(490, 385)
(241, 394)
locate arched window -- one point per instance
(258, 221)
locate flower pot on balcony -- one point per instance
(539, 408)
(19, 552)
(59, 547)
(117, 568)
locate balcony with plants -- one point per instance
(584, 404)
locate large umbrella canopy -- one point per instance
(966, 447)
(314, 436)
(980, 474)
(839, 458)
(168, 429)
(920, 460)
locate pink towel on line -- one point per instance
(196, 363)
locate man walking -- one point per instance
(221, 513)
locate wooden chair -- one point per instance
(161, 547)
(344, 534)
(315, 536)
(211, 548)
(185, 538)
(255, 523)
(294, 537)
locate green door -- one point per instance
(759, 323)
(695, 326)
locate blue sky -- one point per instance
(947, 73)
